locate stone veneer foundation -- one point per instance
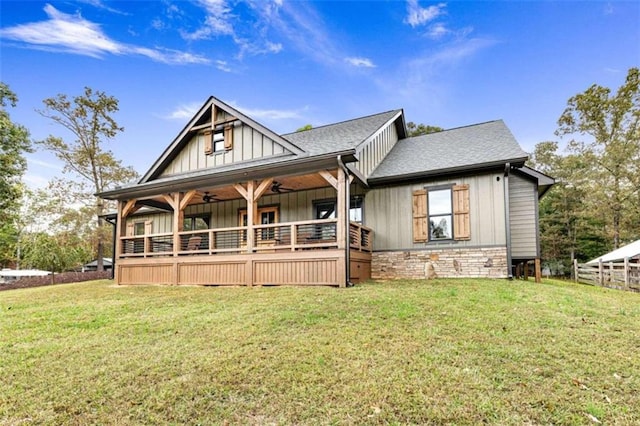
(440, 263)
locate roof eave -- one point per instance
(225, 177)
(515, 162)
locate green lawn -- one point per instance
(408, 352)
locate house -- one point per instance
(230, 202)
(107, 265)
(10, 275)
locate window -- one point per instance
(195, 223)
(441, 213)
(326, 209)
(138, 228)
(440, 208)
(266, 216)
(355, 209)
(220, 140)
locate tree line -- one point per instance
(595, 205)
(61, 226)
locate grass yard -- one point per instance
(407, 352)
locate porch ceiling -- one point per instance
(287, 184)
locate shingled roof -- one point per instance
(341, 136)
(465, 148)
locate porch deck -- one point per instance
(294, 253)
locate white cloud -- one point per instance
(250, 36)
(187, 111)
(268, 114)
(217, 22)
(46, 164)
(100, 5)
(437, 31)
(223, 66)
(74, 34)
(184, 111)
(417, 15)
(360, 62)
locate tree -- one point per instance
(414, 129)
(568, 228)
(14, 142)
(304, 128)
(55, 253)
(610, 153)
(88, 117)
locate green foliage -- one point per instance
(608, 126)
(304, 128)
(414, 129)
(450, 352)
(595, 204)
(88, 117)
(14, 142)
(55, 253)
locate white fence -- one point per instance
(619, 275)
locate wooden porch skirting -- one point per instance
(312, 267)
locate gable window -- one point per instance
(220, 140)
(441, 213)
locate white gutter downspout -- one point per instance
(507, 169)
(348, 228)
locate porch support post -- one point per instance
(118, 231)
(343, 218)
(252, 212)
(341, 210)
(178, 221)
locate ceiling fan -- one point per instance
(277, 188)
(209, 198)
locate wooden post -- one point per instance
(526, 270)
(626, 273)
(252, 213)
(120, 227)
(341, 212)
(342, 215)
(612, 277)
(575, 270)
(178, 223)
(600, 272)
(538, 270)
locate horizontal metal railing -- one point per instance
(360, 237)
(292, 236)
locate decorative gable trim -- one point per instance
(213, 108)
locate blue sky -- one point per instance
(289, 63)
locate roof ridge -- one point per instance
(472, 125)
(342, 122)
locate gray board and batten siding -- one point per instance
(248, 144)
(372, 153)
(388, 211)
(523, 214)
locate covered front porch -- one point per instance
(282, 230)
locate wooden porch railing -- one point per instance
(360, 237)
(289, 236)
